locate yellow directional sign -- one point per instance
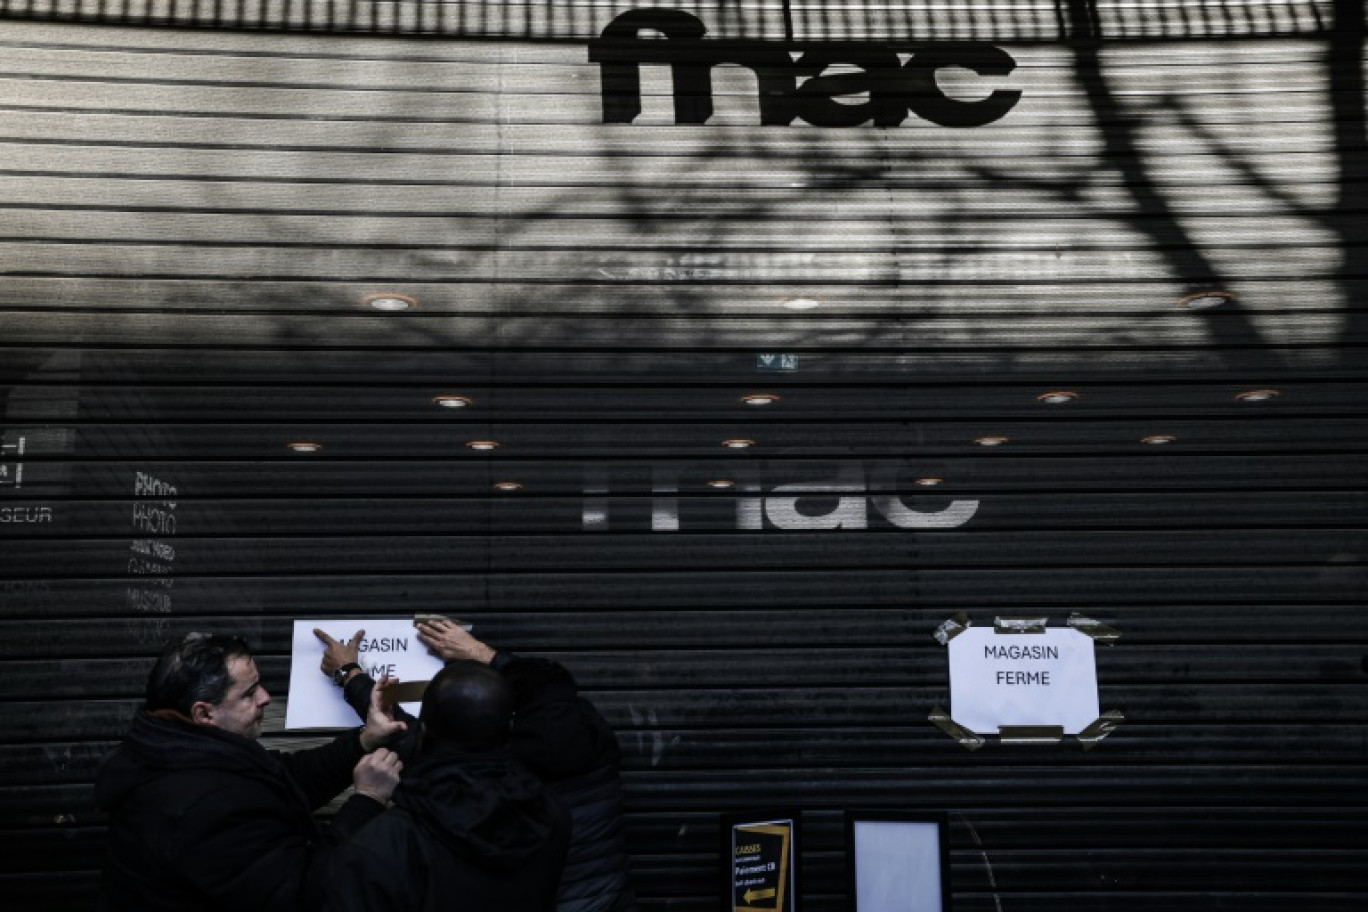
(761, 865)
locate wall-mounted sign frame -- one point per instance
(759, 852)
(897, 862)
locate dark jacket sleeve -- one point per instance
(323, 772)
(556, 732)
(242, 847)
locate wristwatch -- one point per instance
(340, 676)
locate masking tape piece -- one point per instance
(1102, 726)
(964, 736)
(464, 625)
(1095, 629)
(952, 628)
(1031, 734)
(409, 691)
(1019, 625)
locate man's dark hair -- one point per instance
(468, 705)
(192, 669)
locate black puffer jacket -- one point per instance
(568, 744)
(566, 741)
(468, 832)
(205, 819)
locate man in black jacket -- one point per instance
(203, 817)
(559, 735)
(471, 828)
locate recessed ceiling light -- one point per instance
(453, 402)
(304, 446)
(991, 441)
(738, 443)
(721, 483)
(389, 302)
(760, 399)
(801, 303)
(1158, 439)
(507, 486)
(483, 444)
(1057, 397)
(1206, 300)
(1262, 395)
(929, 481)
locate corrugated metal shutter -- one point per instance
(197, 221)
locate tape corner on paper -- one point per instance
(1100, 632)
(952, 627)
(1100, 728)
(1015, 624)
(965, 738)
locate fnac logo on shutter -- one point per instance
(893, 88)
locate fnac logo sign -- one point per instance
(893, 88)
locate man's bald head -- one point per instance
(468, 705)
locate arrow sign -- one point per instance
(760, 862)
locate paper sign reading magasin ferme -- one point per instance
(1032, 679)
(390, 647)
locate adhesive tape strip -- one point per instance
(410, 691)
(1102, 726)
(952, 628)
(1031, 734)
(964, 736)
(1019, 625)
(1095, 629)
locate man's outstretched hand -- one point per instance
(380, 722)
(336, 654)
(449, 640)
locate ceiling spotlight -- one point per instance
(1262, 395)
(800, 303)
(452, 402)
(1206, 300)
(930, 481)
(759, 399)
(721, 483)
(991, 441)
(507, 486)
(1058, 397)
(483, 444)
(738, 443)
(304, 446)
(389, 302)
(1158, 439)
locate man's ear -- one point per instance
(202, 713)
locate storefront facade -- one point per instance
(725, 353)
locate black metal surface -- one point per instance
(194, 220)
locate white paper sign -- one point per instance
(389, 647)
(999, 679)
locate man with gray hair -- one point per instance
(202, 816)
